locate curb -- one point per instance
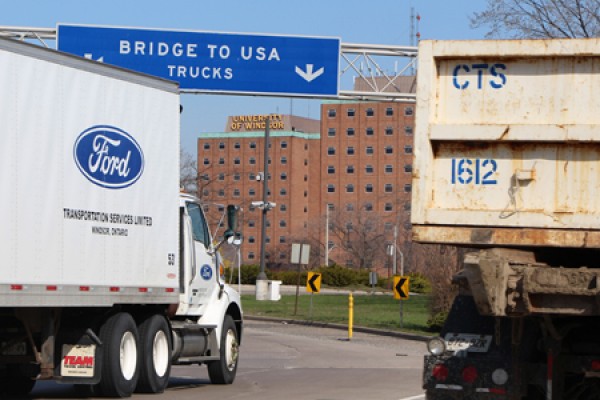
(362, 329)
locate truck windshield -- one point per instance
(199, 228)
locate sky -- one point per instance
(383, 22)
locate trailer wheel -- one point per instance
(120, 370)
(155, 360)
(223, 371)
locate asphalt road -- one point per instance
(296, 362)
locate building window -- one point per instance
(205, 192)
(221, 176)
(206, 146)
(408, 149)
(407, 188)
(389, 111)
(221, 145)
(368, 206)
(350, 169)
(388, 188)
(389, 131)
(282, 192)
(282, 208)
(369, 188)
(330, 188)
(389, 169)
(283, 176)
(351, 112)
(330, 169)
(349, 188)
(206, 161)
(284, 145)
(205, 177)
(388, 207)
(350, 151)
(252, 145)
(221, 192)
(331, 113)
(236, 176)
(251, 256)
(251, 192)
(370, 112)
(369, 150)
(331, 132)
(408, 168)
(369, 169)
(408, 111)
(251, 239)
(282, 223)
(370, 132)
(236, 192)
(407, 206)
(331, 151)
(350, 131)
(349, 207)
(252, 176)
(282, 240)
(236, 161)
(408, 130)
(236, 145)
(283, 160)
(221, 161)
(252, 161)
(389, 150)
(251, 223)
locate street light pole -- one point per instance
(327, 235)
(263, 239)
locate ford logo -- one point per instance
(109, 157)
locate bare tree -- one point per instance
(538, 19)
(188, 172)
(360, 236)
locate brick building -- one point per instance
(356, 161)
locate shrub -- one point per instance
(436, 322)
(419, 283)
(338, 276)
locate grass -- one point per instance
(374, 311)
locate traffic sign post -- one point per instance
(214, 62)
(300, 255)
(313, 285)
(401, 287)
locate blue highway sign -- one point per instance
(209, 61)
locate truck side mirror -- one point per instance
(232, 218)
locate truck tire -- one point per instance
(223, 372)
(155, 360)
(120, 369)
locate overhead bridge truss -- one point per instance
(380, 68)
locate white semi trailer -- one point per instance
(507, 161)
(109, 275)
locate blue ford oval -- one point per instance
(109, 157)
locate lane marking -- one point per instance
(417, 397)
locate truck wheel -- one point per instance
(223, 371)
(156, 355)
(120, 370)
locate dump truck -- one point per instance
(507, 165)
(109, 274)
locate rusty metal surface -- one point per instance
(508, 283)
(505, 236)
(506, 144)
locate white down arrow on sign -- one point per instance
(309, 75)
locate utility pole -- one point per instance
(261, 280)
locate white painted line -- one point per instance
(417, 397)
